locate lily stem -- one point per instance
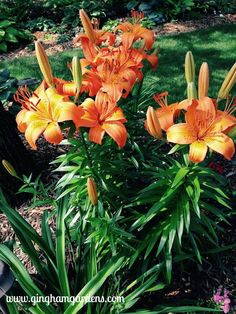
(89, 157)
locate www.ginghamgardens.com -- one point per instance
(50, 299)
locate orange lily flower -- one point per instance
(205, 127)
(42, 113)
(133, 32)
(167, 113)
(93, 37)
(103, 116)
(114, 72)
(92, 32)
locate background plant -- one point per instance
(11, 35)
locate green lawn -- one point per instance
(216, 45)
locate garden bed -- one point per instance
(159, 224)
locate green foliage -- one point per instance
(9, 34)
(16, 9)
(149, 8)
(160, 11)
(110, 25)
(183, 204)
(8, 86)
(40, 24)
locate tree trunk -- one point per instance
(12, 150)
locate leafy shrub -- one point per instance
(149, 8)
(110, 25)
(16, 9)
(10, 34)
(40, 24)
(160, 11)
(8, 86)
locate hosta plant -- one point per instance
(11, 35)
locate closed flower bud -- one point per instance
(87, 25)
(92, 191)
(9, 168)
(189, 67)
(228, 83)
(152, 123)
(203, 80)
(77, 74)
(44, 63)
(191, 91)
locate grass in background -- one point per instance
(216, 45)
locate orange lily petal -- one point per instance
(53, 133)
(69, 111)
(198, 150)
(67, 89)
(89, 49)
(181, 134)
(165, 117)
(20, 120)
(224, 122)
(33, 131)
(117, 115)
(96, 134)
(222, 144)
(127, 39)
(90, 115)
(184, 104)
(153, 59)
(148, 37)
(113, 90)
(116, 131)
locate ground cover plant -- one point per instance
(138, 198)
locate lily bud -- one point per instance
(44, 63)
(77, 74)
(152, 123)
(9, 168)
(228, 83)
(92, 191)
(203, 80)
(191, 91)
(87, 25)
(189, 67)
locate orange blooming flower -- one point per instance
(205, 127)
(93, 37)
(133, 32)
(114, 72)
(92, 32)
(42, 111)
(103, 116)
(167, 113)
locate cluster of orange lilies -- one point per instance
(109, 70)
(204, 125)
(111, 66)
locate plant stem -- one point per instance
(90, 161)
